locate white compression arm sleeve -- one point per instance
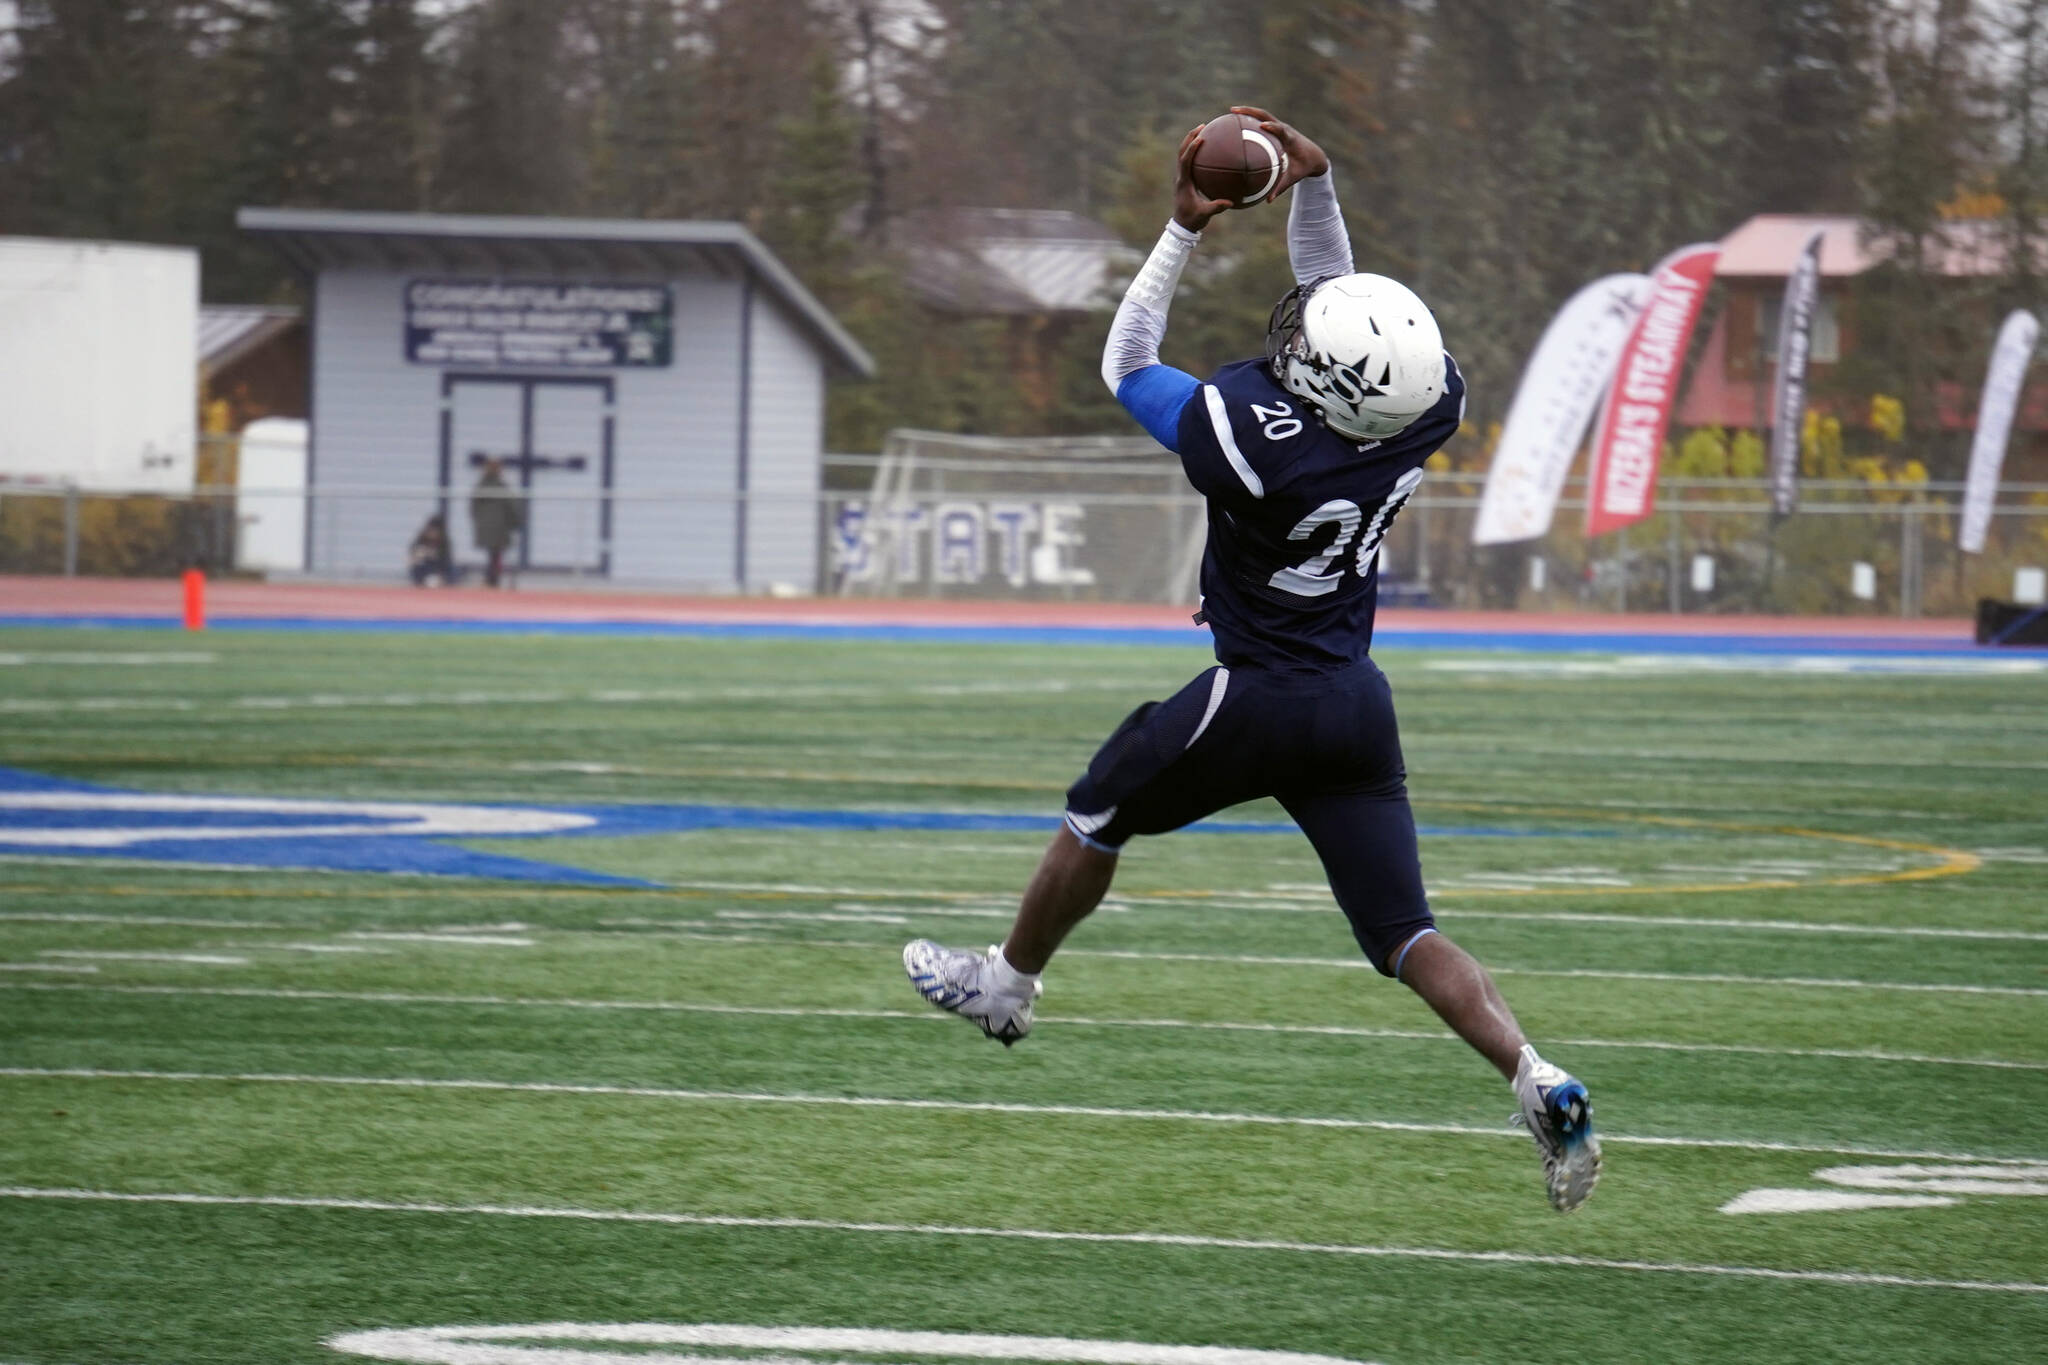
(1141, 318)
(1317, 243)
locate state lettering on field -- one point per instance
(959, 542)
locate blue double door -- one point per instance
(553, 435)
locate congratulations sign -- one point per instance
(539, 323)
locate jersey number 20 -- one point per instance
(1313, 578)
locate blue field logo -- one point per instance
(45, 817)
(49, 818)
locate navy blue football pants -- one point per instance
(1326, 747)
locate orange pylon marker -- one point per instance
(195, 600)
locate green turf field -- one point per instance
(1782, 923)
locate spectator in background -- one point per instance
(496, 514)
(428, 558)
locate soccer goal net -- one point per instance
(1095, 518)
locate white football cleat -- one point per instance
(1559, 1115)
(960, 982)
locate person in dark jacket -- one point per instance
(428, 558)
(496, 514)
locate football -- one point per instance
(1237, 160)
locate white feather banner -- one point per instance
(1569, 370)
(2002, 383)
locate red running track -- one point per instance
(71, 598)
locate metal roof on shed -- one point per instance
(318, 239)
(1010, 260)
(229, 331)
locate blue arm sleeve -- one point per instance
(1156, 396)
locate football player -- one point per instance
(1305, 456)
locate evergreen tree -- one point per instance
(815, 183)
(2022, 182)
(1494, 153)
(511, 130)
(1038, 99)
(757, 73)
(104, 128)
(1813, 98)
(641, 109)
(1914, 321)
(288, 67)
(388, 143)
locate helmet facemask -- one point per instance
(1379, 394)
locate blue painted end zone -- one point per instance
(1533, 642)
(48, 817)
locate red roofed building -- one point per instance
(1731, 384)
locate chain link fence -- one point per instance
(1713, 545)
(1103, 519)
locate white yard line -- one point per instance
(1281, 900)
(1056, 1020)
(246, 870)
(1830, 1201)
(1574, 973)
(1360, 964)
(810, 889)
(470, 940)
(1197, 1116)
(18, 659)
(1692, 761)
(80, 967)
(1005, 913)
(1658, 665)
(1289, 901)
(312, 948)
(813, 917)
(1313, 898)
(1772, 926)
(1815, 982)
(327, 701)
(33, 917)
(1162, 1239)
(195, 959)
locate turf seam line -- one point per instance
(1759, 925)
(967, 1107)
(1225, 901)
(1567, 973)
(1360, 964)
(1163, 1239)
(1055, 1020)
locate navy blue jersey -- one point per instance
(1297, 514)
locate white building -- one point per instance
(98, 360)
(656, 388)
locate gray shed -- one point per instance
(657, 389)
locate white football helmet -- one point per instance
(1362, 350)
